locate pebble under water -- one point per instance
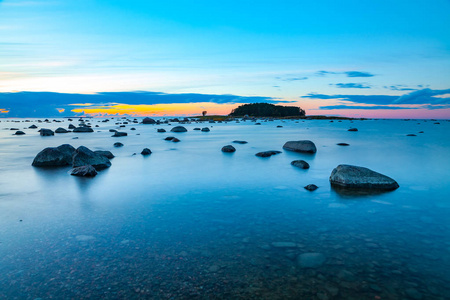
(189, 221)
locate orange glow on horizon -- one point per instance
(158, 109)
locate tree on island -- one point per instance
(204, 113)
(267, 110)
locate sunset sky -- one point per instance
(387, 59)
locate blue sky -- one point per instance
(277, 49)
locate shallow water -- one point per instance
(189, 221)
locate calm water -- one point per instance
(189, 221)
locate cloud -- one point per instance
(324, 73)
(347, 73)
(331, 107)
(289, 79)
(47, 104)
(352, 85)
(358, 74)
(420, 97)
(399, 87)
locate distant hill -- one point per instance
(267, 110)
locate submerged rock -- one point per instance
(228, 148)
(169, 138)
(267, 153)
(300, 164)
(205, 129)
(83, 156)
(175, 140)
(61, 130)
(84, 171)
(310, 260)
(348, 176)
(196, 128)
(33, 127)
(148, 121)
(146, 151)
(19, 132)
(54, 156)
(311, 187)
(343, 144)
(118, 144)
(353, 129)
(161, 130)
(83, 129)
(119, 134)
(304, 146)
(71, 126)
(240, 142)
(104, 153)
(46, 132)
(178, 129)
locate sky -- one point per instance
(380, 59)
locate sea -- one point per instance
(192, 222)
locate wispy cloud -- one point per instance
(420, 97)
(358, 74)
(347, 73)
(289, 79)
(351, 85)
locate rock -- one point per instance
(112, 130)
(84, 171)
(343, 144)
(106, 154)
(300, 146)
(118, 145)
(348, 176)
(161, 130)
(33, 127)
(257, 123)
(240, 142)
(169, 138)
(205, 129)
(83, 156)
(83, 129)
(411, 134)
(46, 132)
(196, 128)
(175, 140)
(413, 294)
(279, 126)
(54, 156)
(146, 151)
(284, 245)
(61, 130)
(119, 134)
(310, 260)
(19, 132)
(300, 164)
(148, 121)
(267, 153)
(178, 129)
(228, 148)
(311, 187)
(132, 128)
(71, 126)
(353, 129)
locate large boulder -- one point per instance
(84, 171)
(300, 146)
(83, 157)
(46, 132)
(54, 156)
(148, 121)
(355, 177)
(83, 129)
(178, 129)
(61, 130)
(105, 153)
